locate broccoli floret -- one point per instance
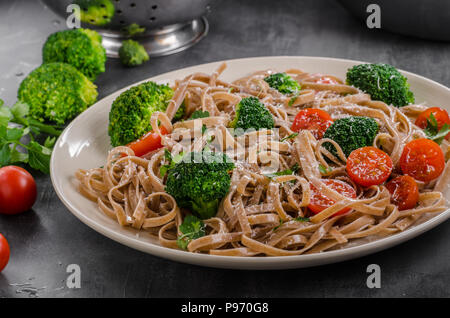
(200, 181)
(81, 48)
(57, 92)
(96, 12)
(251, 113)
(382, 82)
(132, 53)
(129, 118)
(283, 83)
(351, 133)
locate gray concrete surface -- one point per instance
(44, 241)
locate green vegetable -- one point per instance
(432, 132)
(383, 82)
(251, 113)
(192, 228)
(200, 181)
(56, 92)
(129, 118)
(286, 172)
(283, 83)
(132, 53)
(133, 29)
(291, 136)
(37, 156)
(96, 12)
(324, 171)
(351, 133)
(81, 48)
(172, 161)
(199, 114)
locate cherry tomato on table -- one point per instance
(440, 114)
(149, 142)
(17, 190)
(404, 192)
(319, 202)
(4, 252)
(315, 120)
(369, 166)
(422, 159)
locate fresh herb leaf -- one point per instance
(286, 172)
(5, 155)
(323, 170)
(14, 134)
(39, 157)
(199, 114)
(291, 136)
(172, 161)
(293, 98)
(17, 156)
(192, 228)
(204, 129)
(302, 219)
(49, 142)
(20, 110)
(432, 132)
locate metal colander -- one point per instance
(161, 26)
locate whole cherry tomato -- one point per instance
(17, 190)
(4, 252)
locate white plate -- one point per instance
(85, 143)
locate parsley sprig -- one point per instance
(172, 161)
(19, 136)
(192, 228)
(432, 132)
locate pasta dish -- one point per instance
(274, 163)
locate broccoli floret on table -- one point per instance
(200, 181)
(251, 113)
(351, 133)
(81, 48)
(382, 82)
(283, 83)
(131, 53)
(96, 12)
(129, 117)
(57, 92)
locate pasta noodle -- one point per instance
(262, 216)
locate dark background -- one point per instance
(44, 241)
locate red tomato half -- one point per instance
(440, 114)
(326, 80)
(150, 142)
(319, 202)
(422, 159)
(404, 192)
(17, 190)
(315, 120)
(369, 166)
(4, 252)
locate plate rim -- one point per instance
(244, 262)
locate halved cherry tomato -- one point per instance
(422, 159)
(404, 192)
(326, 80)
(315, 120)
(4, 252)
(440, 114)
(319, 202)
(369, 166)
(151, 141)
(18, 190)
